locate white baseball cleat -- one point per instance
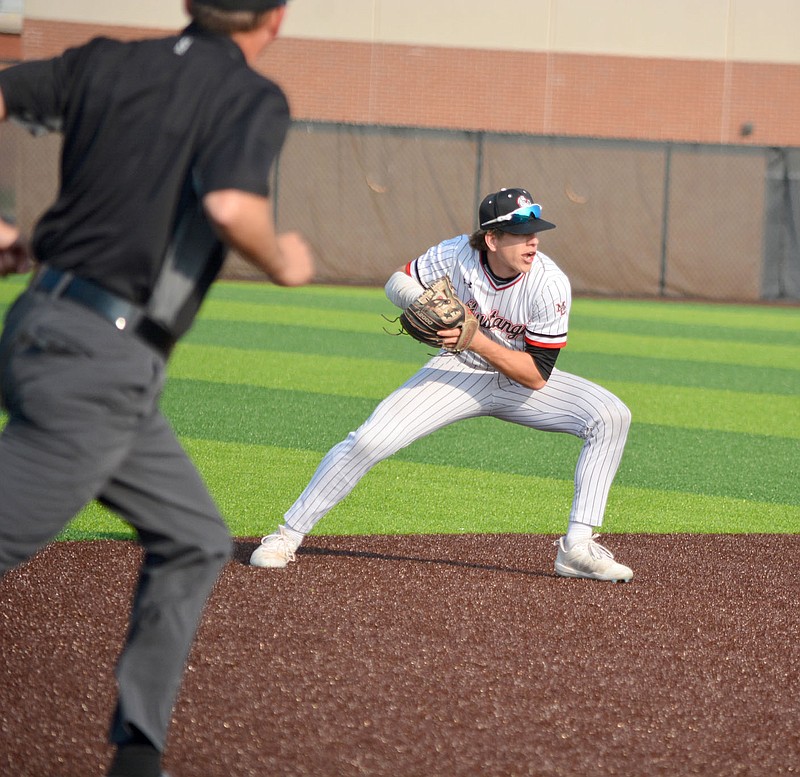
(589, 559)
(275, 551)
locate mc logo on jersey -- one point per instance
(561, 308)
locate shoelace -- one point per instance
(281, 543)
(594, 549)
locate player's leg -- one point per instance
(442, 392)
(158, 490)
(574, 405)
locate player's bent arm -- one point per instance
(244, 221)
(517, 365)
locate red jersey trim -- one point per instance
(547, 344)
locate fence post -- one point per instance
(478, 171)
(662, 278)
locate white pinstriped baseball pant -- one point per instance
(445, 391)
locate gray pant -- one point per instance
(84, 424)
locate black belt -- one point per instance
(124, 315)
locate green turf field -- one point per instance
(270, 378)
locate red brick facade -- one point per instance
(10, 48)
(510, 91)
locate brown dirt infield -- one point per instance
(427, 655)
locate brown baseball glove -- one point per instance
(437, 308)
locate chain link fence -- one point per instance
(636, 219)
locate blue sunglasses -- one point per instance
(518, 216)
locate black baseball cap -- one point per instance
(242, 5)
(514, 211)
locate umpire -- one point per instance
(168, 144)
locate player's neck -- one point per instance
(486, 261)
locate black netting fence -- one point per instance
(634, 219)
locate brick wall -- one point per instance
(10, 47)
(509, 91)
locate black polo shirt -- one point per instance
(149, 128)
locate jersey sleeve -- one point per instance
(246, 142)
(437, 261)
(35, 93)
(549, 322)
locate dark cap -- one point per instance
(242, 5)
(514, 211)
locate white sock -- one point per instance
(295, 537)
(578, 532)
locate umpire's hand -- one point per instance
(14, 254)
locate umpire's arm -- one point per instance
(244, 221)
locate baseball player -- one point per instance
(522, 301)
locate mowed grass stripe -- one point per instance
(260, 294)
(684, 460)
(744, 318)
(640, 369)
(760, 351)
(317, 296)
(336, 375)
(361, 377)
(301, 338)
(786, 335)
(344, 320)
(294, 339)
(748, 355)
(726, 411)
(253, 486)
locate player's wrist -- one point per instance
(401, 289)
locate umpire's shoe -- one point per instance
(136, 759)
(591, 560)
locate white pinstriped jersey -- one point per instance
(532, 308)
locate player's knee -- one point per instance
(614, 420)
(624, 416)
(620, 422)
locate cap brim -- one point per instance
(529, 227)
